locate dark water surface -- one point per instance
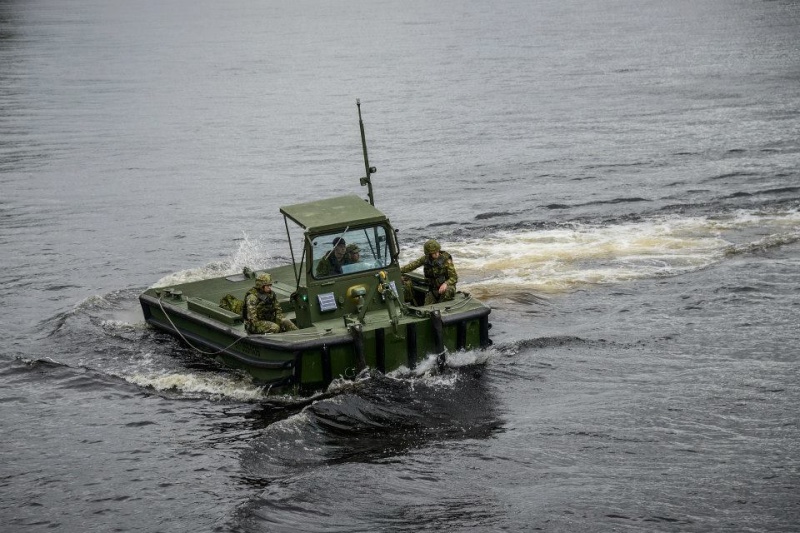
(619, 180)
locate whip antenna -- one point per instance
(370, 170)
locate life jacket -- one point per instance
(268, 300)
(436, 270)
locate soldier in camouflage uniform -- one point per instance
(440, 273)
(334, 260)
(262, 311)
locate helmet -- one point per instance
(263, 279)
(431, 246)
(353, 249)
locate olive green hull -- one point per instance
(309, 359)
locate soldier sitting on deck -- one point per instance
(262, 311)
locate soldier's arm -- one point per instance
(413, 265)
(452, 275)
(278, 311)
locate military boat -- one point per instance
(349, 320)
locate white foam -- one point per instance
(214, 385)
(123, 325)
(569, 258)
(250, 253)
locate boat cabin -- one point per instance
(330, 283)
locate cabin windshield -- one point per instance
(350, 250)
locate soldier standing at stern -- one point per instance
(262, 311)
(440, 273)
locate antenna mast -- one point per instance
(370, 170)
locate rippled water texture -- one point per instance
(620, 181)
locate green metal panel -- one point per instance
(425, 341)
(311, 367)
(473, 335)
(332, 213)
(343, 361)
(212, 310)
(396, 355)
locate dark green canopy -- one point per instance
(333, 213)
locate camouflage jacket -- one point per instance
(330, 266)
(261, 307)
(436, 272)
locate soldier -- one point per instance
(352, 254)
(440, 273)
(262, 311)
(333, 261)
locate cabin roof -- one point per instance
(332, 213)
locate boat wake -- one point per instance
(107, 334)
(576, 256)
(372, 419)
(208, 385)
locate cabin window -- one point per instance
(350, 251)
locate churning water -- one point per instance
(619, 180)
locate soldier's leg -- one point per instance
(432, 297)
(449, 294)
(259, 327)
(271, 327)
(408, 290)
(288, 325)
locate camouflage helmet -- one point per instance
(431, 246)
(263, 279)
(353, 249)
